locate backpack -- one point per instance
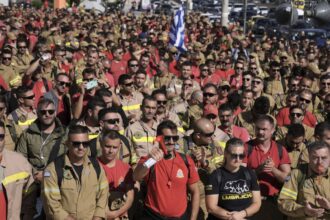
(303, 169)
(279, 149)
(59, 167)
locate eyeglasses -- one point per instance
(112, 121)
(276, 70)
(239, 68)
(133, 65)
(128, 84)
(66, 84)
(77, 144)
(225, 88)
(161, 102)
(88, 79)
(175, 138)
(6, 58)
(211, 116)
(293, 114)
(246, 79)
(304, 100)
(207, 134)
(207, 94)
(237, 156)
(49, 111)
(205, 69)
(2, 136)
(256, 82)
(189, 85)
(29, 97)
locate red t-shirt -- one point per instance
(86, 99)
(39, 88)
(283, 119)
(3, 206)
(118, 68)
(269, 186)
(214, 79)
(118, 176)
(172, 68)
(169, 201)
(238, 132)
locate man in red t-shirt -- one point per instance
(119, 175)
(271, 163)
(118, 65)
(167, 181)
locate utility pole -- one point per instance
(225, 13)
(244, 25)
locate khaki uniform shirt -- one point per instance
(245, 120)
(25, 119)
(17, 181)
(22, 63)
(141, 137)
(10, 76)
(163, 81)
(274, 88)
(83, 199)
(297, 156)
(282, 131)
(132, 106)
(301, 188)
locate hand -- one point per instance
(199, 154)
(324, 203)
(112, 214)
(269, 165)
(83, 87)
(156, 154)
(38, 176)
(309, 211)
(237, 215)
(103, 83)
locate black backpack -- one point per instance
(59, 167)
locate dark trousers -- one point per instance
(149, 214)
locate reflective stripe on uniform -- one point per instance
(121, 131)
(15, 177)
(92, 136)
(131, 107)
(289, 193)
(144, 139)
(27, 122)
(54, 190)
(222, 144)
(103, 185)
(217, 159)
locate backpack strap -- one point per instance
(93, 147)
(96, 166)
(126, 143)
(45, 84)
(280, 150)
(54, 152)
(219, 175)
(303, 169)
(247, 175)
(15, 116)
(59, 166)
(185, 160)
(250, 148)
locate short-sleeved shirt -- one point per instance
(234, 189)
(167, 185)
(283, 119)
(238, 132)
(269, 186)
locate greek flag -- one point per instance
(177, 31)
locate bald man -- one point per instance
(202, 147)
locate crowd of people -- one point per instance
(102, 119)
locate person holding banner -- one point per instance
(168, 179)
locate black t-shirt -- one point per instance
(235, 189)
(78, 170)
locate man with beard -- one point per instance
(271, 163)
(42, 142)
(142, 133)
(129, 98)
(306, 192)
(210, 94)
(61, 98)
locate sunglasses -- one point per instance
(175, 138)
(256, 82)
(29, 97)
(77, 144)
(44, 112)
(189, 85)
(112, 121)
(211, 117)
(327, 102)
(2, 136)
(88, 79)
(246, 79)
(133, 65)
(304, 100)
(65, 84)
(237, 156)
(208, 134)
(225, 88)
(128, 84)
(161, 102)
(205, 69)
(239, 68)
(6, 58)
(2, 108)
(325, 84)
(208, 94)
(293, 114)
(276, 70)
(253, 68)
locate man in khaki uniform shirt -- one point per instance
(306, 193)
(142, 133)
(294, 143)
(22, 117)
(82, 193)
(23, 58)
(7, 70)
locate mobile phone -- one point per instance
(46, 56)
(91, 84)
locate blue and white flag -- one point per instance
(177, 31)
